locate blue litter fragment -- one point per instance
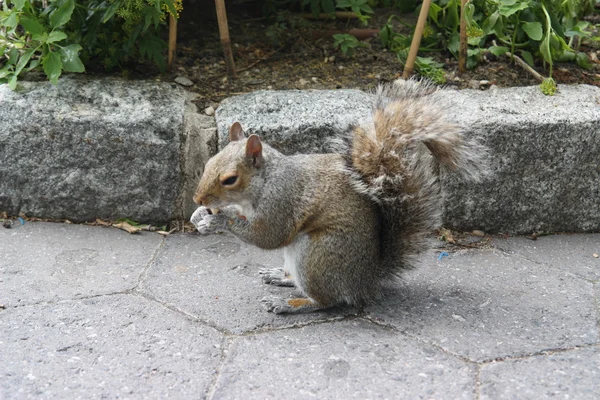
(442, 255)
(22, 221)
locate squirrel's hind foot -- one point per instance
(276, 276)
(279, 305)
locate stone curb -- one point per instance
(544, 152)
(109, 148)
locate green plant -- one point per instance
(346, 43)
(360, 7)
(63, 35)
(543, 29)
(29, 39)
(400, 44)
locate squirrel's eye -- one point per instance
(229, 181)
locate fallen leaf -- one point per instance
(127, 227)
(446, 236)
(163, 233)
(103, 223)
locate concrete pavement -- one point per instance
(92, 312)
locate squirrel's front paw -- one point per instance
(199, 215)
(207, 223)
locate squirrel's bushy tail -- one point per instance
(396, 160)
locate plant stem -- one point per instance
(514, 38)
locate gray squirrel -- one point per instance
(348, 220)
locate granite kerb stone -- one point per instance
(101, 148)
(544, 151)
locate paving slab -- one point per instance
(571, 253)
(572, 374)
(49, 261)
(120, 346)
(216, 279)
(341, 360)
(478, 324)
(485, 304)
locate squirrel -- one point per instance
(349, 220)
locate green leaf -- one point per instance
(583, 61)
(315, 7)
(32, 26)
(13, 56)
(23, 60)
(152, 47)
(434, 11)
(489, 23)
(454, 43)
(52, 66)
(499, 50)
(533, 30)
(56, 36)
(12, 82)
(70, 58)
(62, 15)
(171, 7)
(110, 11)
(328, 6)
(40, 38)
(33, 65)
(525, 55)
(4, 72)
(545, 49)
(507, 11)
(18, 4)
(11, 21)
(366, 8)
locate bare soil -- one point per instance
(304, 57)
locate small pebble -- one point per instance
(341, 67)
(270, 87)
(478, 233)
(595, 255)
(209, 110)
(302, 82)
(314, 79)
(183, 81)
(332, 59)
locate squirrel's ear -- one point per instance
(254, 150)
(236, 132)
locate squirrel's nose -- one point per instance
(198, 199)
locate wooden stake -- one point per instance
(462, 50)
(224, 33)
(409, 66)
(172, 41)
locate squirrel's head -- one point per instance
(230, 177)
